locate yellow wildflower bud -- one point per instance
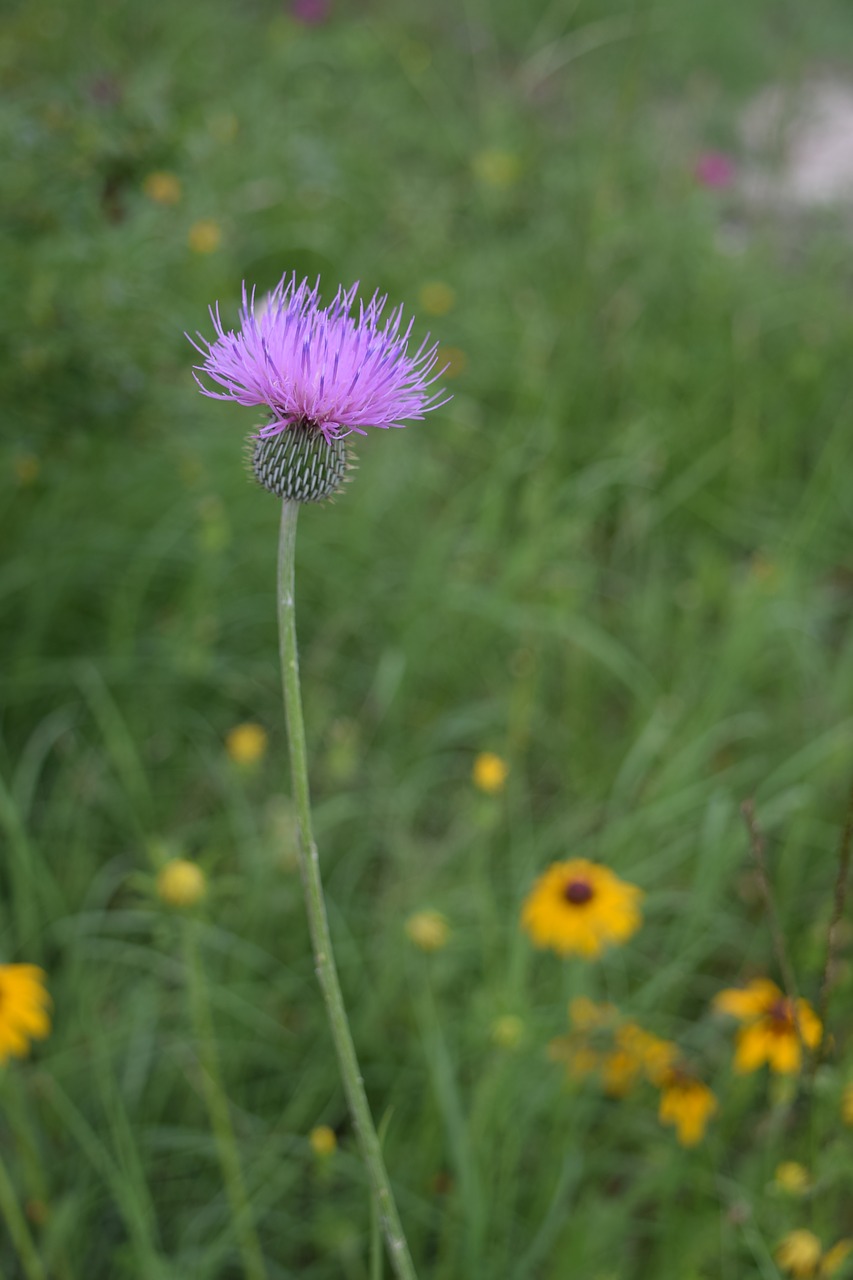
(490, 772)
(246, 743)
(323, 1140)
(162, 187)
(181, 883)
(205, 236)
(792, 1177)
(428, 930)
(508, 1031)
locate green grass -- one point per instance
(620, 557)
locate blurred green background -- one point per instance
(620, 558)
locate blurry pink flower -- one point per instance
(714, 169)
(311, 12)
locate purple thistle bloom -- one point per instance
(320, 368)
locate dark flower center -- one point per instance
(780, 1016)
(578, 892)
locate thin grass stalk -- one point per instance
(19, 1232)
(840, 897)
(321, 941)
(218, 1110)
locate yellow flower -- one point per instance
(835, 1257)
(579, 1058)
(246, 743)
(686, 1103)
(800, 1253)
(496, 168)
(428, 930)
(205, 236)
(323, 1140)
(490, 772)
(162, 187)
(775, 1028)
(636, 1052)
(586, 1015)
(24, 1009)
(581, 908)
(847, 1104)
(436, 298)
(508, 1031)
(181, 883)
(792, 1177)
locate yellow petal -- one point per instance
(748, 1002)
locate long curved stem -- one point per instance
(324, 960)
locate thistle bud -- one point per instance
(299, 463)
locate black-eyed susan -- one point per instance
(489, 773)
(775, 1027)
(581, 908)
(687, 1104)
(24, 1009)
(801, 1254)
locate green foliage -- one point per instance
(620, 558)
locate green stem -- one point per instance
(18, 1229)
(324, 960)
(217, 1109)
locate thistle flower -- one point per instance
(322, 373)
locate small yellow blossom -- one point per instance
(792, 1177)
(835, 1258)
(323, 1140)
(181, 883)
(496, 168)
(246, 743)
(162, 187)
(847, 1104)
(800, 1253)
(636, 1052)
(581, 908)
(27, 468)
(508, 1031)
(451, 361)
(490, 773)
(437, 298)
(775, 1028)
(24, 1009)
(686, 1103)
(205, 236)
(428, 930)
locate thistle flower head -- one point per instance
(322, 373)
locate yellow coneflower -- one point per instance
(687, 1104)
(428, 930)
(24, 1009)
(775, 1028)
(181, 883)
(581, 908)
(246, 743)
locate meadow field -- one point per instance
(580, 616)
